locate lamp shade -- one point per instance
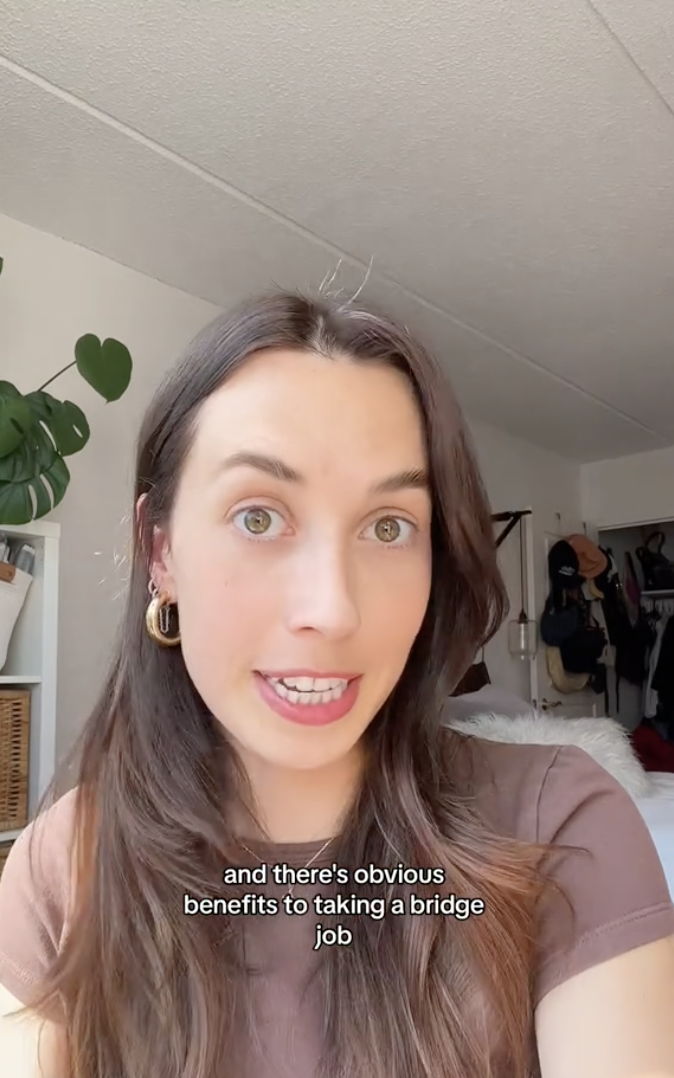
(523, 638)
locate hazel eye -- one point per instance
(393, 531)
(256, 521)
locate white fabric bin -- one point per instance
(14, 585)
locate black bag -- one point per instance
(658, 570)
(558, 623)
(582, 651)
(583, 648)
(475, 678)
(631, 642)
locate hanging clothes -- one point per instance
(663, 678)
(597, 612)
(650, 691)
(631, 589)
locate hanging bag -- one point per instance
(658, 570)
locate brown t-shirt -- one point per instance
(535, 793)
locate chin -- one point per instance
(304, 748)
(311, 757)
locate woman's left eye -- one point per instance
(393, 531)
(258, 521)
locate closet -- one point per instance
(647, 707)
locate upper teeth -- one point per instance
(311, 684)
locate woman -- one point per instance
(313, 572)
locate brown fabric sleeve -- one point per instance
(34, 890)
(616, 887)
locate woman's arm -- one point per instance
(615, 1020)
(29, 1047)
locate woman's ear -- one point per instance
(160, 560)
(139, 516)
(161, 563)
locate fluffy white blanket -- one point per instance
(603, 739)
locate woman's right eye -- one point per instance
(257, 522)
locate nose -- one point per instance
(322, 595)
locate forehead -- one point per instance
(313, 410)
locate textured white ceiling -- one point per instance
(507, 167)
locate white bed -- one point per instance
(616, 755)
(658, 813)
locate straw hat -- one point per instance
(562, 680)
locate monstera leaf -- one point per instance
(65, 422)
(33, 479)
(15, 418)
(37, 431)
(106, 367)
(33, 475)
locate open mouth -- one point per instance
(308, 690)
(309, 699)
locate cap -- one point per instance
(563, 567)
(592, 562)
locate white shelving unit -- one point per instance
(32, 656)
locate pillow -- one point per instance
(603, 739)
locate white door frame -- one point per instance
(530, 607)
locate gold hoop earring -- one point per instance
(158, 619)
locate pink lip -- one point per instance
(309, 714)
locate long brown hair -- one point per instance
(146, 991)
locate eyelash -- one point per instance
(266, 539)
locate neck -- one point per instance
(294, 805)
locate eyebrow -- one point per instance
(408, 479)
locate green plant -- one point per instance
(37, 431)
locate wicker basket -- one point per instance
(5, 847)
(14, 742)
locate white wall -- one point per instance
(519, 475)
(629, 490)
(51, 292)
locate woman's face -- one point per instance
(299, 548)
